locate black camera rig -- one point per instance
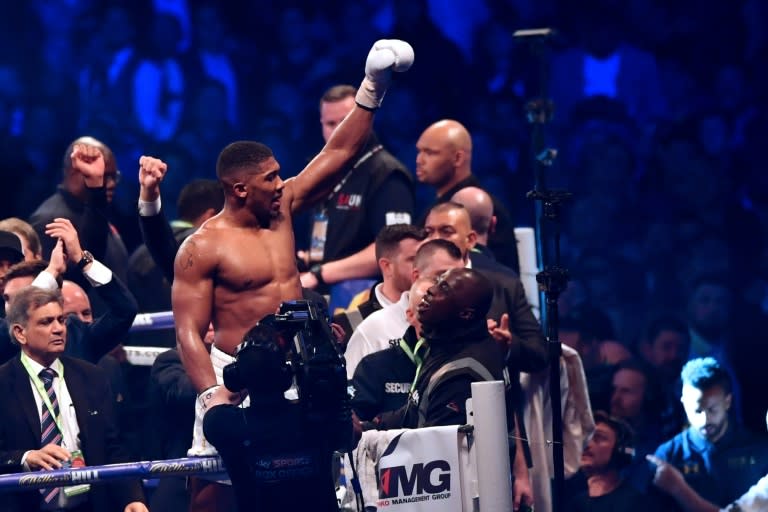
(312, 352)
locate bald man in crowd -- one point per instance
(444, 162)
(76, 301)
(479, 205)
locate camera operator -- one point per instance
(278, 454)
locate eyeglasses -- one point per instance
(116, 176)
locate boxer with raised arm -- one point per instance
(240, 265)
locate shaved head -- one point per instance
(76, 301)
(453, 133)
(444, 155)
(480, 207)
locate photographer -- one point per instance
(277, 452)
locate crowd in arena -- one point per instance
(117, 125)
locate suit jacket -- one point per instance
(502, 241)
(92, 225)
(90, 341)
(162, 241)
(99, 436)
(150, 273)
(528, 350)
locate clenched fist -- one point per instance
(88, 161)
(151, 173)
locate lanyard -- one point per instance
(40, 388)
(360, 161)
(413, 356)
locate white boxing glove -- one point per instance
(385, 55)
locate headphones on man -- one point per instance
(260, 363)
(624, 450)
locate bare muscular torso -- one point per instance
(255, 270)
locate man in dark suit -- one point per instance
(56, 406)
(88, 184)
(444, 162)
(451, 221)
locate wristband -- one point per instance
(206, 395)
(365, 107)
(370, 94)
(317, 271)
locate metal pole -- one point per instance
(553, 278)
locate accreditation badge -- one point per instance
(319, 236)
(76, 462)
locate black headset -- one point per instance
(259, 362)
(624, 450)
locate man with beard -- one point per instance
(719, 458)
(669, 479)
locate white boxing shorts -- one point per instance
(200, 446)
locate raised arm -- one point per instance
(88, 161)
(94, 231)
(113, 324)
(325, 170)
(155, 229)
(192, 299)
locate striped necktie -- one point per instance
(50, 430)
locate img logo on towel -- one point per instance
(419, 471)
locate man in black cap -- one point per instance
(10, 251)
(10, 254)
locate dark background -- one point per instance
(665, 156)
